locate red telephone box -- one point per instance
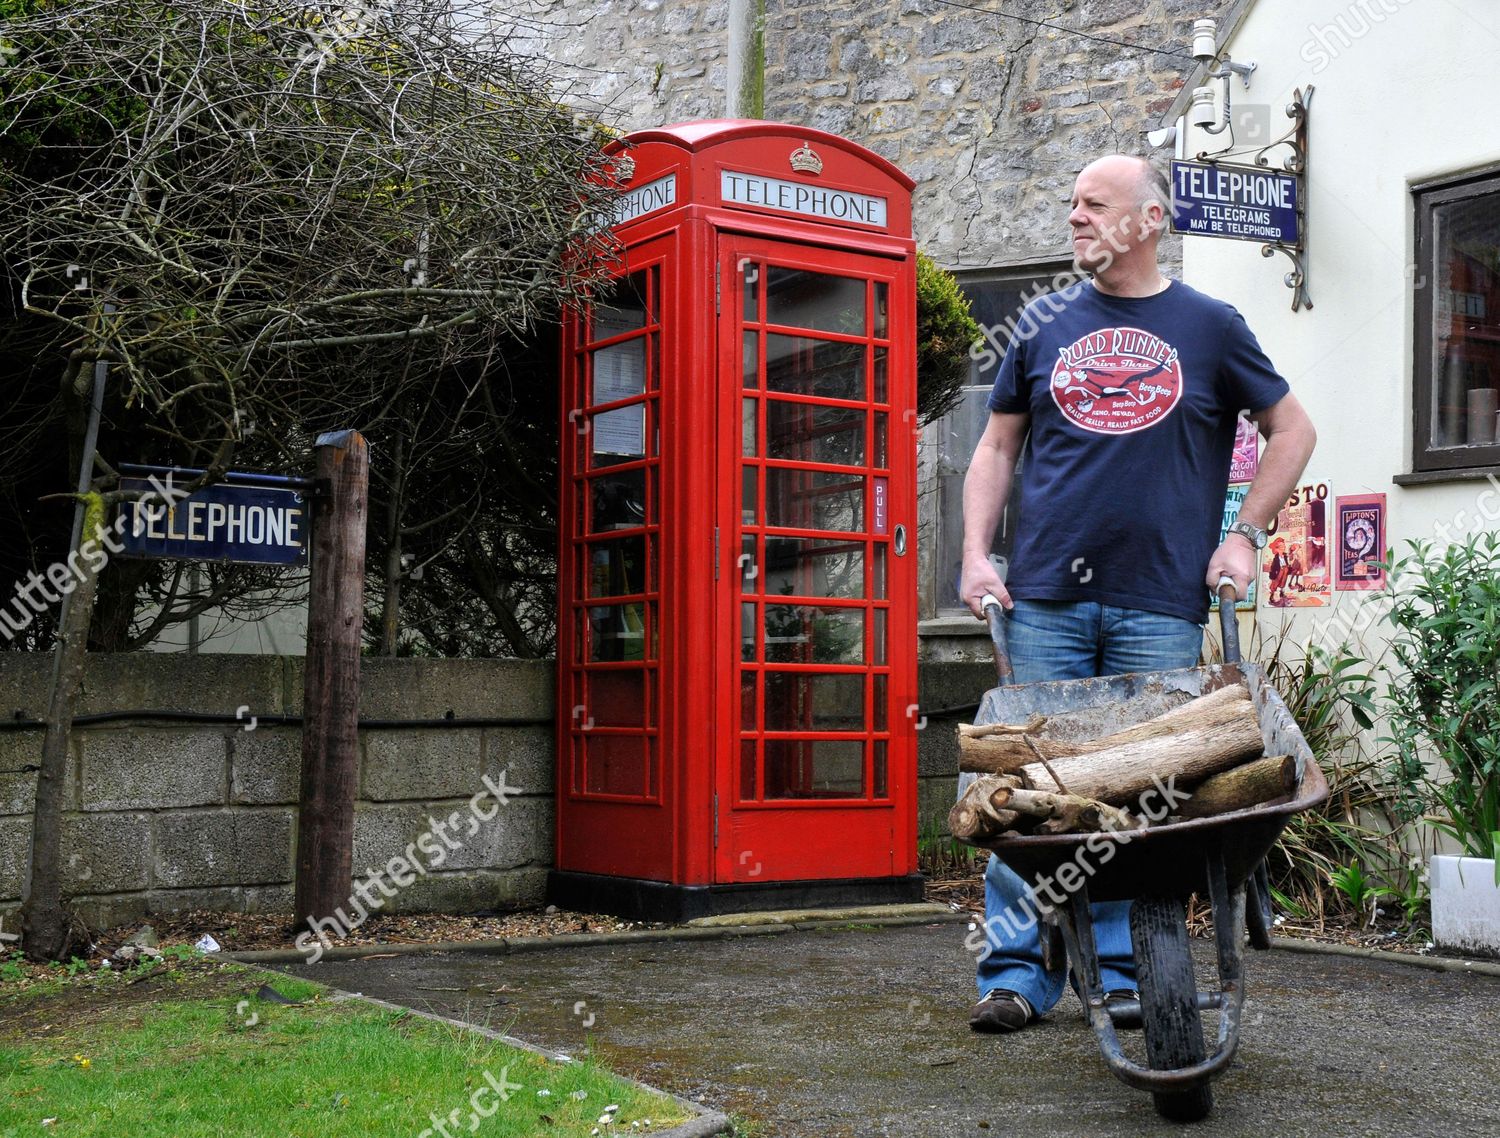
(737, 573)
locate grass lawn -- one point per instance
(187, 1048)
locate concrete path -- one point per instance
(837, 1034)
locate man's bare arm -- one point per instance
(1290, 439)
(986, 488)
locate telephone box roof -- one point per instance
(705, 133)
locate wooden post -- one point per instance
(330, 694)
(46, 925)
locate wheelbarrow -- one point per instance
(1157, 869)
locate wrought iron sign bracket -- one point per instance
(1287, 155)
(1294, 162)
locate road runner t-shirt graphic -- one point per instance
(1117, 380)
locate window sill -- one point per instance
(1456, 474)
(953, 622)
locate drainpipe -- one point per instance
(746, 80)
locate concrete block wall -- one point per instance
(949, 694)
(164, 816)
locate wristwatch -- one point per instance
(1253, 534)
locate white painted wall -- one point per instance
(1416, 97)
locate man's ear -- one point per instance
(1153, 217)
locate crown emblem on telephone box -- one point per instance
(624, 168)
(805, 160)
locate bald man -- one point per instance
(1124, 398)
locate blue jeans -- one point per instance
(1069, 640)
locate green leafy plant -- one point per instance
(1407, 886)
(1443, 703)
(1331, 696)
(945, 330)
(1361, 892)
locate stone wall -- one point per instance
(632, 63)
(992, 116)
(164, 815)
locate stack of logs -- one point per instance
(1030, 783)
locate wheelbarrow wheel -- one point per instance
(1169, 1002)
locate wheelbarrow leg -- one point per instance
(1054, 950)
(1076, 925)
(1229, 902)
(1258, 907)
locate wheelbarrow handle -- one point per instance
(1228, 624)
(994, 615)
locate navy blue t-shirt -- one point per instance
(1133, 402)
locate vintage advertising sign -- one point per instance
(1242, 202)
(256, 525)
(799, 197)
(1296, 559)
(1245, 460)
(1234, 498)
(1360, 522)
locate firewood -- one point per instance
(984, 730)
(1120, 774)
(975, 816)
(1004, 754)
(994, 807)
(1243, 786)
(1015, 748)
(1065, 813)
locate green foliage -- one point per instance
(939, 854)
(1330, 694)
(1443, 703)
(1351, 881)
(1364, 893)
(945, 329)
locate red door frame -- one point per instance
(827, 838)
(624, 835)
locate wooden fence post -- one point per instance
(330, 694)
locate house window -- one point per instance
(996, 300)
(1456, 373)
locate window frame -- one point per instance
(944, 602)
(1427, 459)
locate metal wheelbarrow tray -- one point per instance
(1158, 868)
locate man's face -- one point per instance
(1107, 219)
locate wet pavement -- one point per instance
(844, 1033)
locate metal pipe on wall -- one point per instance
(745, 81)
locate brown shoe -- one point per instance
(1001, 1010)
